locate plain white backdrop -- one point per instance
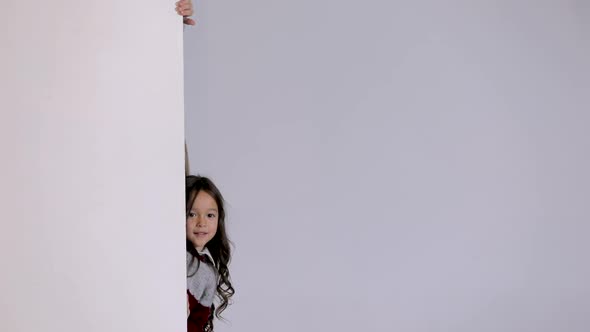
(91, 180)
(413, 166)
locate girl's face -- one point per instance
(201, 223)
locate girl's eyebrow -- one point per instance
(211, 209)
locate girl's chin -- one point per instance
(199, 245)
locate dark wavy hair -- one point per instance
(219, 246)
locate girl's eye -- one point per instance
(211, 215)
(191, 214)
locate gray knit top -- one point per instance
(202, 278)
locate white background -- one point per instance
(92, 231)
(398, 166)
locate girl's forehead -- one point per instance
(203, 201)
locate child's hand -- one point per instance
(185, 8)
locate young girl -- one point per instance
(208, 249)
(208, 254)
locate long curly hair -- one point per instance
(219, 246)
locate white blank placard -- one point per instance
(92, 173)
